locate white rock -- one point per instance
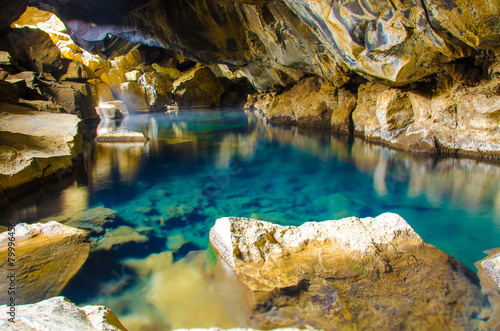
(60, 314)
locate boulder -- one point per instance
(59, 313)
(122, 135)
(198, 87)
(35, 146)
(351, 273)
(489, 273)
(45, 257)
(108, 111)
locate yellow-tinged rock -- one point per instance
(133, 76)
(198, 87)
(322, 274)
(115, 77)
(46, 257)
(104, 92)
(129, 61)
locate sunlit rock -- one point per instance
(122, 135)
(47, 256)
(35, 146)
(198, 88)
(133, 76)
(489, 273)
(5, 58)
(323, 275)
(59, 313)
(129, 61)
(134, 96)
(104, 92)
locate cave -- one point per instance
(256, 164)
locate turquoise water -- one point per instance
(204, 164)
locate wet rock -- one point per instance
(489, 273)
(122, 135)
(47, 256)
(59, 313)
(198, 88)
(114, 238)
(323, 275)
(93, 220)
(35, 146)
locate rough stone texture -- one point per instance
(122, 136)
(59, 313)
(350, 273)
(489, 273)
(311, 102)
(33, 48)
(158, 86)
(35, 145)
(75, 98)
(198, 88)
(47, 256)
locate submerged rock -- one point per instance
(34, 146)
(114, 238)
(350, 273)
(46, 257)
(489, 273)
(59, 313)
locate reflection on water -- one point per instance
(201, 165)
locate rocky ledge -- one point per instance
(35, 146)
(348, 274)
